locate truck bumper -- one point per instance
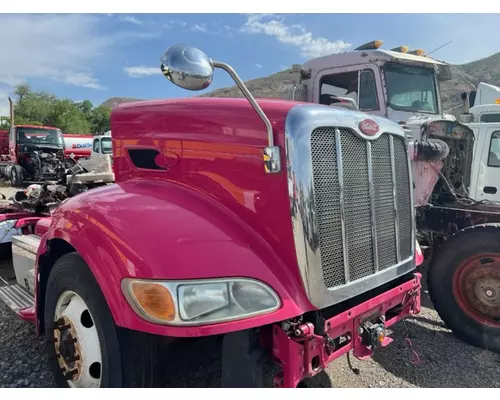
(307, 352)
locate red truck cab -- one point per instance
(294, 239)
(36, 154)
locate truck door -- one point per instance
(359, 82)
(488, 166)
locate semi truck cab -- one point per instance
(285, 227)
(398, 84)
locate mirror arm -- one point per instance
(272, 159)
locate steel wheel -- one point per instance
(476, 286)
(76, 342)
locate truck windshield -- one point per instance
(39, 136)
(106, 146)
(411, 88)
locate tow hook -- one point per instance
(373, 334)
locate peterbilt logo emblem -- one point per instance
(368, 127)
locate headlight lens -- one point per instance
(208, 301)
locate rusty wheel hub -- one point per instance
(477, 288)
(67, 348)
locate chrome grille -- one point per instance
(376, 227)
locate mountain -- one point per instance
(483, 70)
(114, 101)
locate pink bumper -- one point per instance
(310, 353)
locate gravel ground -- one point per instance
(423, 354)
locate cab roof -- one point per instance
(42, 127)
(363, 56)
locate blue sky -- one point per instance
(97, 56)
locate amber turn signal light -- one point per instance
(381, 335)
(155, 299)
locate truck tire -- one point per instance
(85, 347)
(15, 176)
(464, 286)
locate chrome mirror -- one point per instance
(191, 69)
(187, 67)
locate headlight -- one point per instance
(201, 301)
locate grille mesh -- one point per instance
(357, 206)
(327, 200)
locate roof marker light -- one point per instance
(418, 52)
(401, 49)
(374, 44)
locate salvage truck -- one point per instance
(461, 222)
(287, 228)
(453, 164)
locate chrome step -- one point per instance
(16, 297)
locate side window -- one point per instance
(367, 91)
(490, 118)
(12, 135)
(346, 85)
(338, 85)
(96, 146)
(494, 155)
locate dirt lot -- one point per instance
(423, 354)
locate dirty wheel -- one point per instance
(76, 342)
(15, 179)
(85, 347)
(464, 285)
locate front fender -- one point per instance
(157, 230)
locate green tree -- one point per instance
(42, 108)
(86, 107)
(99, 119)
(68, 117)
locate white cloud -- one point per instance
(141, 71)
(57, 47)
(296, 35)
(132, 20)
(200, 28)
(259, 65)
(224, 31)
(82, 79)
(175, 23)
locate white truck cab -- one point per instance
(99, 166)
(102, 147)
(483, 119)
(397, 84)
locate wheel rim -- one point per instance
(14, 176)
(76, 342)
(476, 286)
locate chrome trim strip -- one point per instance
(395, 198)
(372, 205)
(301, 121)
(412, 203)
(340, 171)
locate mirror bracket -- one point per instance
(271, 155)
(191, 69)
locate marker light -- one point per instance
(381, 335)
(401, 49)
(375, 44)
(418, 52)
(497, 101)
(419, 256)
(154, 300)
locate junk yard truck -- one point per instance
(455, 170)
(285, 227)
